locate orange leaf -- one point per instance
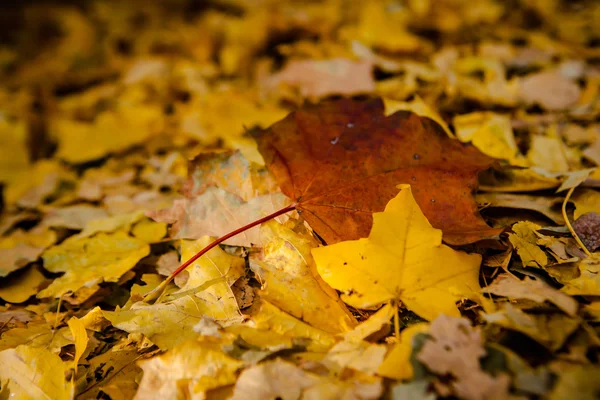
(341, 161)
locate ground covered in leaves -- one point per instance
(442, 158)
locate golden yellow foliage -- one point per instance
(402, 260)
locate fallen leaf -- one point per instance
(215, 212)
(272, 324)
(373, 324)
(323, 158)
(37, 334)
(80, 337)
(548, 153)
(455, 348)
(399, 261)
(397, 363)
(587, 227)
(111, 131)
(34, 373)
(319, 78)
(187, 371)
(222, 270)
(549, 89)
(111, 224)
(290, 280)
(491, 133)
(14, 157)
(384, 30)
(225, 115)
(281, 379)
(413, 390)
(419, 107)
(73, 217)
(550, 330)
(33, 186)
(230, 171)
(359, 356)
(515, 180)
(586, 201)
(547, 206)
(530, 289)
(115, 373)
(17, 288)
(89, 261)
(588, 281)
(21, 248)
(149, 231)
(576, 382)
(166, 324)
(592, 153)
(524, 240)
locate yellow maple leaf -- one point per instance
(34, 373)
(491, 133)
(291, 281)
(525, 241)
(403, 259)
(89, 261)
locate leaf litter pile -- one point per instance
(413, 188)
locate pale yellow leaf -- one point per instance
(187, 371)
(89, 261)
(80, 337)
(290, 280)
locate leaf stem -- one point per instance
(154, 294)
(566, 218)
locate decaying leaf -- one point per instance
(531, 289)
(551, 330)
(280, 379)
(188, 370)
(215, 212)
(400, 261)
(455, 348)
(587, 227)
(327, 157)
